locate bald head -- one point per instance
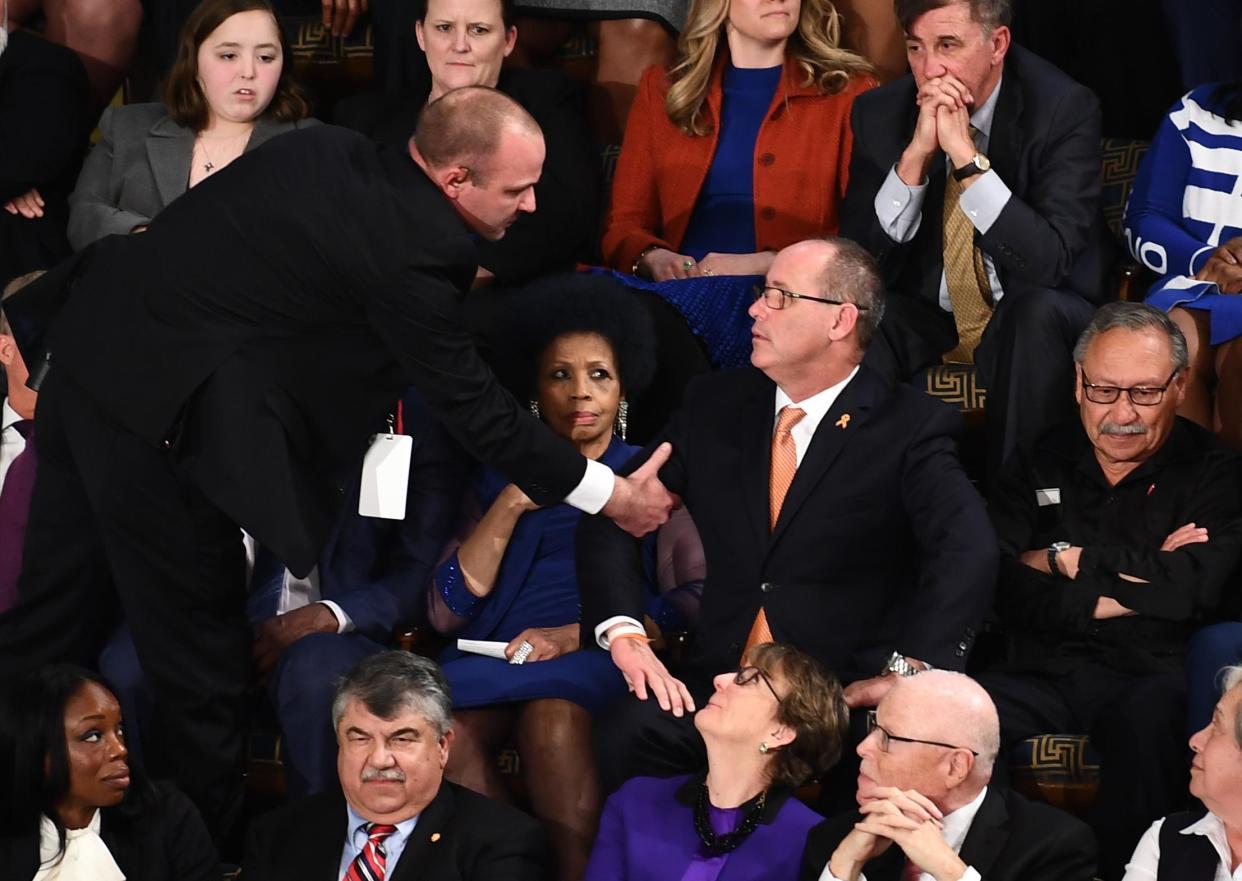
(466, 127)
(955, 709)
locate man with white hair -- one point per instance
(1118, 534)
(923, 787)
(393, 718)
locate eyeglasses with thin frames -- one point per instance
(777, 298)
(747, 675)
(1140, 395)
(873, 724)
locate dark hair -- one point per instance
(32, 737)
(464, 127)
(1229, 96)
(577, 302)
(182, 94)
(1136, 318)
(388, 682)
(853, 276)
(991, 14)
(813, 706)
(508, 14)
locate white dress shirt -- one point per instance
(298, 592)
(1144, 863)
(11, 441)
(816, 406)
(899, 207)
(956, 827)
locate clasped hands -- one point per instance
(943, 126)
(905, 818)
(661, 264)
(1224, 267)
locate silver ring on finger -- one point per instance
(522, 653)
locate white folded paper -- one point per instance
(488, 647)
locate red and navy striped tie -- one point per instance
(369, 864)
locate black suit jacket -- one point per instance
(460, 836)
(882, 542)
(1010, 839)
(563, 228)
(165, 841)
(1044, 144)
(272, 315)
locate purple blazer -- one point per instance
(647, 834)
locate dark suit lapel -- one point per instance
(432, 832)
(170, 148)
(321, 842)
(839, 426)
(758, 414)
(988, 833)
(1005, 139)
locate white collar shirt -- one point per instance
(816, 407)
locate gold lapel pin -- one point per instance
(435, 836)
(844, 421)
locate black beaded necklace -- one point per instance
(717, 844)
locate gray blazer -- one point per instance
(141, 163)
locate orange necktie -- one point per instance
(784, 465)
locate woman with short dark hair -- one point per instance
(768, 728)
(74, 809)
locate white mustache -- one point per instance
(1116, 428)
(369, 774)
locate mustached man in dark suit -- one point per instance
(873, 553)
(395, 818)
(927, 811)
(226, 368)
(975, 181)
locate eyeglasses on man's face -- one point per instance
(778, 298)
(747, 675)
(886, 737)
(1140, 395)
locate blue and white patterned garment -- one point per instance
(1186, 201)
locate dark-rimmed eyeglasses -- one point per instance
(778, 298)
(747, 675)
(1140, 395)
(886, 736)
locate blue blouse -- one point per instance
(724, 216)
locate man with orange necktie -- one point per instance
(403, 821)
(833, 510)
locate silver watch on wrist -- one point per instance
(1053, 549)
(898, 664)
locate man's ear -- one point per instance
(446, 743)
(1001, 39)
(510, 40)
(1078, 383)
(961, 763)
(418, 35)
(8, 349)
(847, 320)
(452, 180)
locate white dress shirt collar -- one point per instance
(957, 823)
(1212, 827)
(356, 840)
(86, 857)
(981, 119)
(816, 407)
(8, 416)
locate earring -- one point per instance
(533, 406)
(623, 415)
(763, 747)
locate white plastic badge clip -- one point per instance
(386, 475)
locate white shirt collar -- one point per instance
(1213, 828)
(817, 405)
(86, 857)
(8, 416)
(357, 822)
(957, 823)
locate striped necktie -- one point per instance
(370, 863)
(784, 466)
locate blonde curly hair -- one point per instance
(815, 44)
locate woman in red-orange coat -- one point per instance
(739, 149)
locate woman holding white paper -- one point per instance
(512, 579)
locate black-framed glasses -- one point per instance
(747, 675)
(778, 298)
(1140, 395)
(886, 736)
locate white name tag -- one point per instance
(1046, 497)
(386, 476)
